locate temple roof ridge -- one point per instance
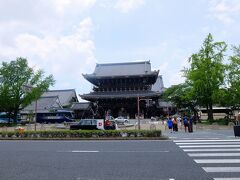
(124, 63)
(122, 69)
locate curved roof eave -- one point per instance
(94, 76)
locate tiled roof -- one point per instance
(122, 69)
(66, 96)
(119, 94)
(158, 86)
(44, 104)
(80, 106)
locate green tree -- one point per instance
(206, 73)
(15, 76)
(233, 79)
(181, 95)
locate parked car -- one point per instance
(3, 120)
(88, 124)
(121, 119)
(6, 120)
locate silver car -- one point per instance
(121, 119)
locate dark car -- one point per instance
(4, 118)
(89, 124)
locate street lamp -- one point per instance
(138, 108)
(28, 88)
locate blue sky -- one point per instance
(68, 37)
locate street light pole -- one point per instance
(138, 107)
(35, 122)
(28, 88)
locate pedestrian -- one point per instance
(238, 119)
(190, 126)
(179, 119)
(175, 124)
(185, 123)
(170, 124)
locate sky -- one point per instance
(66, 38)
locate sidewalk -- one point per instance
(200, 131)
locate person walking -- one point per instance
(179, 119)
(238, 119)
(175, 124)
(170, 124)
(190, 126)
(185, 123)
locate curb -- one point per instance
(89, 139)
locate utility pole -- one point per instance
(28, 88)
(35, 122)
(138, 107)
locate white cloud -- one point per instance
(55, 35)
(176, 78)
(127, 5)
(224, 10)
(61, 6)
(66, 57)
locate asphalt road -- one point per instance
(96, 160)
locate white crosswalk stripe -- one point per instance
(218, 157)
(226, 178)
(212, 154)
(205, 161)
(209, 150)
(207, 146)
(193, 143)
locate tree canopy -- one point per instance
(15, 76)
(233, 79)
(206, 72)
(210, 80)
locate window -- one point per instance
(94, 122)
(87, 122)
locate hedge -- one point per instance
(81, 134)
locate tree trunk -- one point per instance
(210, 112)
(15, 113)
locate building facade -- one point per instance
(118, 88)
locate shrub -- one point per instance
(82, 134)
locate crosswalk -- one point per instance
(219, 157)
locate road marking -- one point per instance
(84, 151)
(192, 143)
(221, 169)
(217, 160)
(193, 139)
(202, 150)
(212, 154)
(80, 141)
(226, 178)
(135, 151)
(207, 140)
(207, 146)
(219, 148)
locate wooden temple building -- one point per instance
(119, 87)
